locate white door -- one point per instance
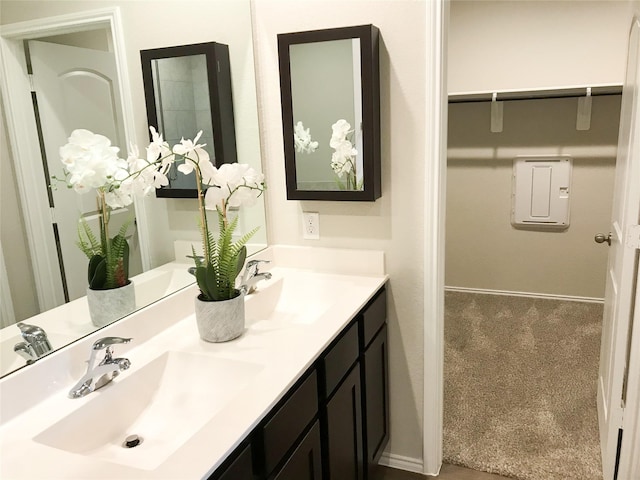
(619, 293)
(77, 88)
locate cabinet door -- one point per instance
(344, 430)
(305, 462)
(289, 422)
(376, 414)
(240, 469)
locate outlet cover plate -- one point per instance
(311, 225)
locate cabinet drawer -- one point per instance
(340, 357)
(374, 316)
(282, 430)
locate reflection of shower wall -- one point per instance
(184, 100)
(201, 102)
(322, 92)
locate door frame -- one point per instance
(23, 143)
(436, 111)
(437, 21)
(6, 303)
(629, 460)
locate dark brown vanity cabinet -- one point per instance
(334, 423)
(305, 463)
(281, 434)
(375, 380)
(341, 408)
(240, 468)
(357, 410)
(376, 400)
(344, 430)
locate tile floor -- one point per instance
(448, 472)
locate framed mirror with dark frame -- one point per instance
(187, 88)
(330, 92)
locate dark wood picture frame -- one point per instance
(220, 99)
(370, 71)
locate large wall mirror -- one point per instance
(187, 89)
(162, 225)
(330, 87)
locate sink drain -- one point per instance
(132, 441)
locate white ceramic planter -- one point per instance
(220, 321)
(107, 306)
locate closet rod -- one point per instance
(505, 96)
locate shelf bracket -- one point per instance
(583, 122)
(496, 114)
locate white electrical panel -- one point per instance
(541, 192)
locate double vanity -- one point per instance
(303, 391)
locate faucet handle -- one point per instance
(35, 338)
(255, 263)
(108, 341)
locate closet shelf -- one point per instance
(507, 95)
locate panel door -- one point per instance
(376, 414)
(77, 88)
(618, 305)
(306, 461)
(344, 430)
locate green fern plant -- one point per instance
(217, 271)
(108, 257)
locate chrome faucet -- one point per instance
(35, 345)
(99, 375)
(252, 275)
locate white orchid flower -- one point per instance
(340, 129)
(186, 148)
(118, 198)
(158, 148)
(302, 139)
(91, 161)
(234, 185)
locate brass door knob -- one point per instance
(602, 238)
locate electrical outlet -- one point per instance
(311, 225)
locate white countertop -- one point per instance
(70, 321)
(282, 350)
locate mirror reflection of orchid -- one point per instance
(90, 162)
(302, 139)
(343, 159)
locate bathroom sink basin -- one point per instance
(10, 360)
(164, 403)
(298, 298)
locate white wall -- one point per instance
(497, 45)
(394, 223)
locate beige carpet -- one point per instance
(520, 386)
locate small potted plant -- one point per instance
(91, 164)
(220, 305)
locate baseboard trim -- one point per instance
(408, 464)
(548, 296)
